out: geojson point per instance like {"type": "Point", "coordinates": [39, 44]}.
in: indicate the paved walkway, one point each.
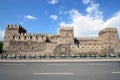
{"type": "Point", "coordinates": [70, 60]}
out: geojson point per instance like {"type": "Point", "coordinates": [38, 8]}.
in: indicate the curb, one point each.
{"type": "Point", "coordinates": [71, 60]}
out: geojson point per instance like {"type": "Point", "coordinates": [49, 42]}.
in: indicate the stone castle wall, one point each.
{"type": "Point", "coordinates": [18, 41]}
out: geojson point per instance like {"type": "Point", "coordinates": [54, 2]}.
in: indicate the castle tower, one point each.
{"type": "Point", "coordinates": [68, 33]}
{"type": "Point", "coordinates": [109, 38]}
{"type": "Point", "coordinates": [11, 30]}
{"type": "Point", "coordinates": [108, 34]}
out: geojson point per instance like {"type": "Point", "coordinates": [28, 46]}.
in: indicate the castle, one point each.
{"type": "Point", "coordinates": [18, 41]}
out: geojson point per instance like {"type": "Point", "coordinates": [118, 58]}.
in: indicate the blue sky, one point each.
{"type": "Point", "coordinates": [46, 16]}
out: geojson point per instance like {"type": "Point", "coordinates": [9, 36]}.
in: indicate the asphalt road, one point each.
{"type": "Point", "coordinates": [60, 71]}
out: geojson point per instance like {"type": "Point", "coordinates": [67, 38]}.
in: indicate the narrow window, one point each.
{"type": "Point", "coordinates": [42, 37]}
{"type": "Point", "coordinates": [36, 37]}
{"type": "Point", "coordinates": [25, 37]}
{"type": "Point", "coordinates": [20, 48]}
{"type": "Point", "coordinates": [19, 37]}
{"type": "Point", "coordinates": [13, 37]}
{"type": "Point", "coordinates": [30, 37]}
{"type": "Point", "coordinates": [32, 47]}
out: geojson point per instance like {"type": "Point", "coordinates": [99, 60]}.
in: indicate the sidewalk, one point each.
{"type": "Point", "coordinates": [70, 60]}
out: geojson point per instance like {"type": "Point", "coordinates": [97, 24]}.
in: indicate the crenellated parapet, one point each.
{"type": "Point", "coordinates": [16, 27]}
{"type": "Point", "coordinates": [37, 34]}
{"type": "Point", "coordinates": [108, 30]}
{"type": "Point", "coordinates": [108, 34]}
{"type": "Point", "coordinates": [66, 32]}
{"type": "Point", "coordinates": [13, 26]}
{"type": "Point", "coordinates": [29, 36]}
{"type": "Point", "coordinates": [87, 38]}
{"type": "Point", "coordinates": [18, 41]}
{"type": "Point", "coordinates": [66, 28]}
{"type": "Point", "coordinates": [33, 36]}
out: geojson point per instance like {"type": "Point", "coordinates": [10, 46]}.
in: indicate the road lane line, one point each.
{"type": "Point", "coordinates": [56, 64]}
{"type": "Point", "coordinates": [115, 72]}
{"type": "Point", "coordinates": [53, 73]}
{"type": "Point", "coordinates": [15, 64]}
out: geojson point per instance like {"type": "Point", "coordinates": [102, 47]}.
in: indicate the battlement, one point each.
{"type": "Point", "coordinates": [13, 26]}
{"type": "Point", "coordinates": [38, 34]}
{"type": "Point", "coordinates": [108, 30]}
{"type": "Point", "coordinates": [33, 36]}
{"type": "Point", "coordinates": [87, 38]}
{"type": "Point", "coordinates": [66, 28]}
{"type": "Point", "coordinates": [18, 41]}
{"type": "Point", "coordinates": [52, 35]}
{"type": "Point", "coordinates": [16, 27]}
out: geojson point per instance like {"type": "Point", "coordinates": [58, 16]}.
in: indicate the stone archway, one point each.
{"type": "Point", "coordinates": [62, 49]}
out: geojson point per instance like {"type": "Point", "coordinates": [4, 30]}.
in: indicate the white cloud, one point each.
{"type": "Point", "coordinates": [54, 17]}
{"type": "Point", "coordinates": [86, 1]}
{"type": "Point", "coordinates": [53, 1]}
{"type": "Point", "coordinates": [29, 17]}
{"type": "Point", "coordinates": [93, 11]}
{"type": "Point", "coordinates": [83, 25]}
{"type": "Point", "coordinates": [113, 21]}
{"type": "Point", "coordinates": [2, 35]}
{"type": "Point", "coordinates": [91, 23]}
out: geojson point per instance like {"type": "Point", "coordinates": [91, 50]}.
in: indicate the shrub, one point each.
{"type": "Point", "coordinates": [1, 46]}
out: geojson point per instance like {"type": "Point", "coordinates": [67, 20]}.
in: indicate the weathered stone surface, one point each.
{"type": "Point", "coordinates": [62, 49]}
{"type": "Point", "coordinates": [18, 41]}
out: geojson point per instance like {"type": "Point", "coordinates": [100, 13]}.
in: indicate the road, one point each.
{"type": "Point", "coordinates": [60, 71]}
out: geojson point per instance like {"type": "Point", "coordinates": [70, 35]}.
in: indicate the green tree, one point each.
{"type": "Point", "coordinates": [1, 46]}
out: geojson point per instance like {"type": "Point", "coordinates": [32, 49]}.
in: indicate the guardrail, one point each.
{"type": "Point", "coordinates": [38, 57]}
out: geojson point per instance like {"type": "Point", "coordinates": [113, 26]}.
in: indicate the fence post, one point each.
{"type": "Point", "coordinates": [100, 56]}
{"type": "Point", "coordinates": [20, 56]}
{"type": "Point", "coordinates": [15, 56]}
{"type": "Point", "coordinates": [109, 55]}
{"type": "Point", "coordinates": [35, 56]}
{"type": "Point", "coordinates": [50, 56]}
{"type": "Point", "coordinates": [1, 56]}
{"type": "Point", "coordinates": [55, 56]}
{"type": "Point", "coordinates": [30, 56]}
{"type": "Point", "coordinates": [45, 56]}
{"type": "Point", "coordinates": [90, 55]}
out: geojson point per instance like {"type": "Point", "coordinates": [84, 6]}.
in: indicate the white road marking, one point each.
{"type": "Point", "coordinates": [115, 72]}
{"type": "Point", "coordinates": [56, 64]}
{"type": "Point", "coordinates": [14, 64]}
{"type": "Point", "coordinates": [53, 73]}
{"type": "Point", "coordinates": [98, 64]}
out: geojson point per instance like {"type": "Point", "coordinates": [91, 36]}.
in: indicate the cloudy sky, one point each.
{"type": "Point", "coordinates": [46, 16]}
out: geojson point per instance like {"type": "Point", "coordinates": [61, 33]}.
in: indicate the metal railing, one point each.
{"type": "Point", "coordinates": [75, 56]}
